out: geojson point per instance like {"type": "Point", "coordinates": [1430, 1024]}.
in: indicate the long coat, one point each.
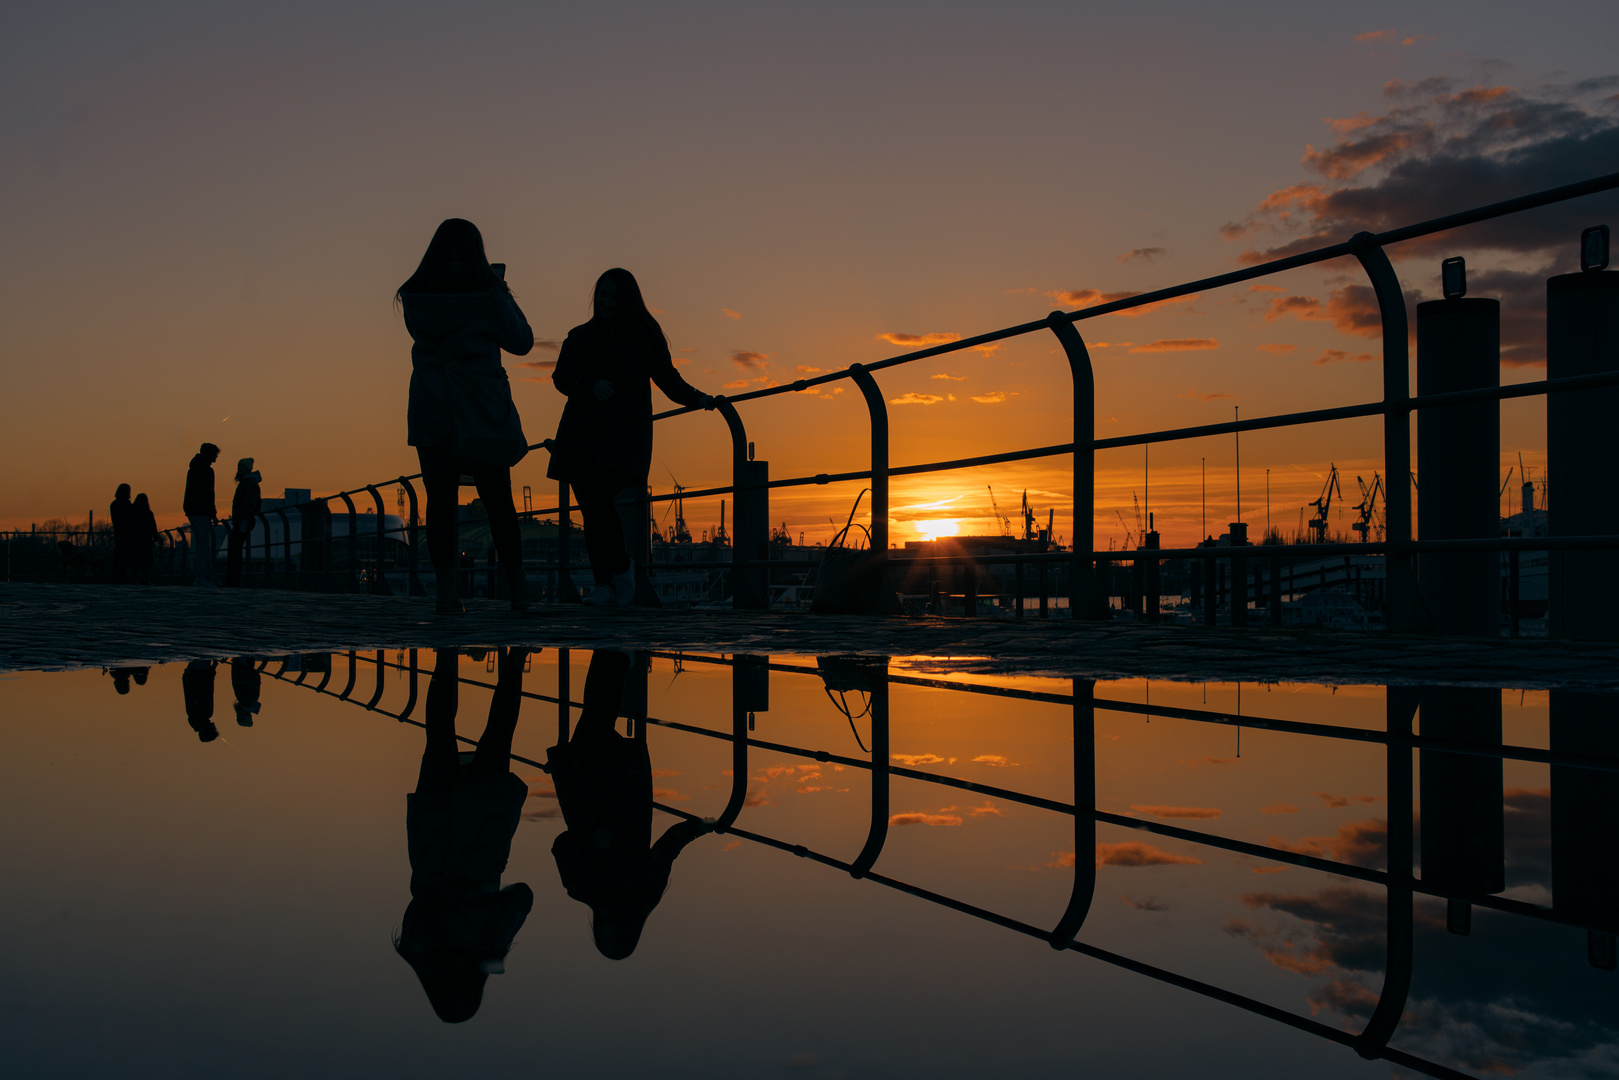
{"type": "Point", "coordinates": [468, 329]}
{"type": "Point", "coordinates": [611, 441]}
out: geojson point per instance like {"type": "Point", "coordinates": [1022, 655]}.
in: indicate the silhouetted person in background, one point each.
{"type": "Point", "coordinates": [200, 511]}
{"type": "Point", "coordinates": [460, 314]}
{"type": "Point", "coordinates": [197, 682]}
{"type": "Point", "coordinates": [606, 858]}
{"type": "Point", "coordinates": [244, 506]}
{"type": "Point", "coordinates": [122, 675]}
{"type": "Point", "coordinates": [119, 514]}
{"type": "Point", "coordinates": [244, 683]}
{"type": "Point", "coordinates": [604, 440]}
{"type": "Point", "coordinates": [459, 824]}
{"type": "Point", "coordinates": [142, 537]}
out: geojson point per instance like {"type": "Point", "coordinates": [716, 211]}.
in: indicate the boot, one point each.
{"type": "Point", "coordinates": [624, 586]}
{"type": "Point", "coordinates": [448, 603]}
{"type": "Point", "coordinates": [518, 585]}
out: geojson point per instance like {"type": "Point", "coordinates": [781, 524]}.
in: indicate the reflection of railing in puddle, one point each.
{"type": "Point", "coordinates": [1461, 772]}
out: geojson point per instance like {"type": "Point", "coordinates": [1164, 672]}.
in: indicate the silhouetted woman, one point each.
{"type": "Point", "coordinates": [459, 824]}
{"type": "Point", "coordinates": [119, 513]}
{"type": "Point", "coordinates": [606, 858]}
{"type": "Point", "coordinates": [460, 315]}
{"type": "Point", "coordinates": [244, 508]}
{"type": "Point", "coordinates": [604, 441]}
{"type": "Point", "coordinates": [143, 535]}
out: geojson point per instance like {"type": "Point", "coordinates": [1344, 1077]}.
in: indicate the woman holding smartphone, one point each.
{"type": "Point", "coordinates": [461, 315]}
{"type": "Point", "coordinates": [604, 441]}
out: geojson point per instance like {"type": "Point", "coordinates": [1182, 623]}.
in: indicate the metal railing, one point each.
{"type": "Point", "coordinates": [1398, 879]}
{"type": "Point", "coordinates": [750, 562]}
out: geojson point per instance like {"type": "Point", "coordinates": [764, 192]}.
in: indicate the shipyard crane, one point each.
{"type": "Point", "coordinates": [1141, 523]}
{"type": "Point", "coordinates": [1126, 524]}
{"type": "Point", "coordinates": [1318, 523]}
{"type": "Point", "coordinates": [1000, 518]}
{"type": "Point", "coordinates": [681, 534]}
{"type": "Point", "coordinates": [1368, 507]}
{"type": "Point", "coordinates": [1029, 520]}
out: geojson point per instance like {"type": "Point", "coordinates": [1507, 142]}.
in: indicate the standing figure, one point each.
{"type": "Point", "coordinates": [143, 535]}
{"type": "Point", "coordinates": [606, 858]}
{"type": "Point", "coordinates": [459, 824]}
{"type": "Point", "coordinates": [244, 683]}
{"type": "Point", "coordinates": [460, 314]}
{"type": "Point", "coordinates": [122, 532]}
{"type": "Point", "coordinates": [604, 440]}
{"type": "Point", "coordinates": [201, 512]}
{"type": "Point", "coordinates": [197, 683]}
{"type": "Point", "coordinates": [244, 507]}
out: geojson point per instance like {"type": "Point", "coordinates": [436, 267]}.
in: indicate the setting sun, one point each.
{"type": "Point", "coordinates": [932, 530]}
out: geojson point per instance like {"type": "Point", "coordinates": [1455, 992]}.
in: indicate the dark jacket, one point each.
{"type": "Point", "coordinates": [199, 500]}
{"type": "Point", "coordinates": [244, 505]}
{"type": "Point", "coordinates": [469, 329]}
{"type": "Point", "coordinates": [612, 440]}
{"type": "Point", "coordinates": [142, 535]}
{"type": "Point", "coordinates": [122, 514]}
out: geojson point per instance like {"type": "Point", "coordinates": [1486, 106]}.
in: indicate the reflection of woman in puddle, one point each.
{"type": "Point", "coordinates": [459, 822]}
{"type": "Point", "coordinates": [604, 785]}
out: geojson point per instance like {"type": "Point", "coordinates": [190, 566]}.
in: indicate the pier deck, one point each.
{"type": "Point", "coordinates": [52, 627]}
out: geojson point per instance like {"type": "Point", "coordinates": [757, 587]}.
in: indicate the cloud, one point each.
{"type": "Point", "coordinates": [1083, 298]}
{"type": "Point", "coordinates": [538, 365]}
{"type": "Point", "coordinates": [989, 809]}
{"type": "Point", "coordinates": [1304, 307]}
{"type": "Point", "coordinates": [1336, 801]}
{"type": "Point", "coordinates": [918, 341]}
{"type": "Point", "coordinates": [1193, 394]}
{"type": "Point", "coordinates": [1144, 905]}
{"type": "Point", "coordinates": [750, 361]}
{"type": "Point", "coordinates": [1277, 349]}
{"type": "Point", "coordinates": [931, 820]}
{"type": "Point", "coordinates": [1442, 147]}
{"type": "Point", "coordinates": [916, 759]}
{"type": "Point", "coordinates": [547, 346]}
{"type": "Point", "coordinates": [1364, 843]}
{"type": "Point", "coordinates": [729, 314]}
{"type": "Point", "coordinates": [737, 384]}
{"type": "Point", "coordinates": [916, 399]}
{"type": "Point", "coordinates": [952, 378]}
{"type": "Point", "coordinates": [1147, 254]}
{"type": "Point", "coordinates": [995, 760]}
{"type": "Point", "coordinates": [994, 397]}
{"type": "Point", "coordinates": [1376, 35]}
{"type": "Point", "coordinates": [805, 369]}
{"type": "Point", "coordinates": [1338, 356]}
{"type": "Point", "coordinates": [1191, 344]}
{"type": "Point", "coordinates": [1280, 808]}
{"type": "Point", "coordinates": [1135, 854]}
{"type": "Point", "coordinates": [1265, 288]}
{"type": "Point", "coordinates": [1177, 811]}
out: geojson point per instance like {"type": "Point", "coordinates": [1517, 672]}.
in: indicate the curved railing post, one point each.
{"type": "Point", "coordinates": [749, 675]}
{"type": "Point", "coordinates": [354, 538]}
{"type": "Point", "coordinates": [380, 582]}
{"type": "Point", "coordinates": [264, 520]}
{"type": "Point", "coordinates": [750, 518]}
{"type": "Point", "coordinates": [414, 587]}
{"type": "Point", "coordinates": [879, 456]}
{"type": "Point", "coordinates": [1079, 901]}
{"type": "Point", "coordinates": [1084, 602]}
{"type": "Point", "coordinates": [348, 687]}
{"type": "Point", "coordinates": [376, 695]}
{"type": "Point", "coordinates": [1401, 580]}
{"type": "Point", "coordinates": [878, 834]}
{"type": "Point", "coordinates": [1391, 1001]}
{"type": "Point", "coordinates": [410, 701]}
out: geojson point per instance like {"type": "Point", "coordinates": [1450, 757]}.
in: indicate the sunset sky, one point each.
{"type": "Point", "coordinates": [207, 209]}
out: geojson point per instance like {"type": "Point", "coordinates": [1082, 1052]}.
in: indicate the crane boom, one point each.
{"type": "Point", "coordinates": [1000, 518]}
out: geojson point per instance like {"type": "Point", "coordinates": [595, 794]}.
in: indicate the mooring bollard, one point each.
{"type": "Point", "coordinates": [1582, 455]}
{"type": "Point", "coordinates": [1151, 578]}
{"type": "Point", "coordinates": [1463, 818]}
{"type": "Point", "coordinates": [1458, 453]}
{"type": "Point", "coordinates": [1585, 820]}
{"type": "Point", "coordinates": [1239, 575]}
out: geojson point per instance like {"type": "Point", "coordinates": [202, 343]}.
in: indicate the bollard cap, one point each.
{"type": "Point", "coordinates": [1453, 278]}
{"type": "Point", "coordinates": [1594, 249]}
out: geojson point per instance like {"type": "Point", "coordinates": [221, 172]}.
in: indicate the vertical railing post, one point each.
{"type": "Point", "coordinates": [379, 580]}
{"type": "Point", "coordinates": [877, 676]}
{"type": "Point", "coordinates": [1079, 900]}
{"type": "Point", "coordinates": [564, 691]}
{"type": "Point", "coordinates": [412, 535]}
{"type": "Point", "coordinates": [1083, 600]}
{"type": "Point", "coordinates": [1401, 574]}
{"type": "Point", "coordinates": [354, 538]}
{"type": "Point", "coordinates": [1401, 928]}
{"type": "Point", "coordinates": [879, 455]}
{"type": "Point", "coordinates": [567, 592]}
{"type": "Point", "coordinates": [750, 694]}
{"type": "Point", "coordinates": [286, 542]}
{"type": "Point", "coordinates": [348, 687]}
{"type": "Point", "coordinates": [750, 532]}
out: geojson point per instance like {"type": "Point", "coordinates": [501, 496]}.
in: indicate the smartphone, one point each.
{"type": "Point", "coordinates": [499, 269]}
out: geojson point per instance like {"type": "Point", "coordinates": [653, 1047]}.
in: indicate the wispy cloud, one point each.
{"type": "Point", "coordinates": [1147, 904]}
{"type": "Point", "coordinates": [1198, 812]}
{"type": "Point", "coordinates": [918, 341]}
{"type": "Point", "coordinates": [916, 399]}
{"type": "Point", "coordinates": [994, 397]}
{"type": "Point", "coordinates": [1196, 395]}
{"type": "Point", "coordinates": [1135, 854]}
{"type": "Point", "coordinates": [916, 759]}
{"type": "Point", "coordinates": [729, 314]}
{"type": "Point", "coordinates": [952, 378]}
{"type": "Point", "coordinates": [1146, 254]}
{"type": "Point", "coordinates": [1185, 344]}
{"type": "Point", "coordinates": [1277, 348]}
{"type": "Point", "coordinates": [943, 817]}
{"type": "Point", "coordinates": [1338, 356]}
{"type": "Point", "coordinates": [749, 360]}
{"type": "Point", "coordinates": [1083, 298]}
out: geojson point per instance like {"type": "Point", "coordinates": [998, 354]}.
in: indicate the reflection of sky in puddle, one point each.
{"type": "Point", "coordinates": [179, 907]}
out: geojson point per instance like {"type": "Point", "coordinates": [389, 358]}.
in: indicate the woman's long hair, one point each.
{"type": "Point", "coordinates": [454, 263]}
{"type": "Point", "coordinates": [632, 309]}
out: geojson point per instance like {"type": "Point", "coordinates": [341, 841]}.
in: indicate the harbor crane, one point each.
{"type": "Point", "coordinates": [1126, 525]}
{"type": "Point", "coordinates": [1000, 518]}
{"type": "Point", "coordinates": [1318, 523]}
{"type": "Point", "coordinates": [680, 534]}
{"type": "Point", "coordinates": [1368, 507]}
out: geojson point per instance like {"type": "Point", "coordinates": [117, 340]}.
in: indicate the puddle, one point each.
{"type": "Point", "coordinates": [825, 867]}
